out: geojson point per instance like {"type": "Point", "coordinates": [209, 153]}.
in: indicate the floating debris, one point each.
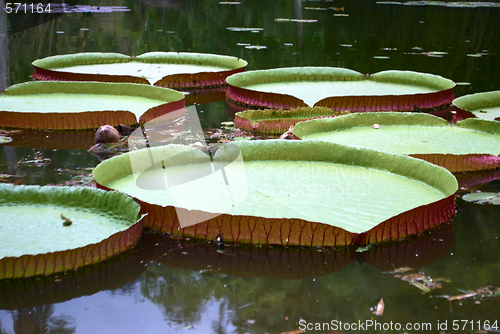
{"type": "Point", "coordinates": [379, 309]}
{"type": "Point", "coordinates": [483, 198]}
{"type": "Point", "coordinates": [294, 20]}
{"type": "Point", "coordinates": [256, 47]}
{"type": "Point", "coordinates": [457, 4]}
{"type": "Point", "coordinates": [64, 8]}
{"type": "Point", "coordinates": [337, 9]}
{"type": "Point", "coordinates": [229, 3]}
{"type": "Point", "coordinates": [437, 54]}
{"type": "Point", "coordinates": [381, 57]}
{"type": "Point", "coordinates": [340, 14]}
{"type": "Point", "coordinates": [67, 221]}
{"type": "Point", "coordinates": [243, 44]}
{"type": "Point", "coordinates": [420, 280]}
{"type": "Point", "coordinates": [243, 29]}
{"type": "Point", "coordinates": [475, 55]}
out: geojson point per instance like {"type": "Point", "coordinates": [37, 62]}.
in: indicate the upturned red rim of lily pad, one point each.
{"type": "Point", "coordinates": [274, 121]}
{"type": "Point", "coordinates": [272, 89]}
{"type": "Point", "coordinates": [288, 228]}
{"type": "Point", "coordinates": [52, 105]}
{"type": "Point", "coordinates": [67, 215]}
{"type": "Point", "coordinates": [481, 105]}
{"type": "Point", "coordinates": [468, 145]}
{"type": "Point", "coordinates": [206, 70]}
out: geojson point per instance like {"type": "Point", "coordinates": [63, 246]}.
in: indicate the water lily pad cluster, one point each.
{"type": "Point", "coordinates": [320, 191]}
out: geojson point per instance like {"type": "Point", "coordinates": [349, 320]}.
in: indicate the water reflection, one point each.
{"type": "Point", "coordinates": [294, 263]}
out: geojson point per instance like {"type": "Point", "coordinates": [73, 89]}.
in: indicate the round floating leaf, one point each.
{"type": "Point", "coordinates": [340, 89]}
{"type": "Point", "coordinates": [178, 70]}
{"type": "Point", "coordinates": [483, 198]}
{"type": "Point", "coordinates": [45, 230]}
{"type": "Point", "coordinates": [284, 192]}
{"type": "Point", "coordinates": [480, 105]}
{"type": "Point", "coordinates": [83, 105]}
{"type": "Point", "coordinates": [278, 121]}
{"type": "Point", "coordinates": [470, 145]}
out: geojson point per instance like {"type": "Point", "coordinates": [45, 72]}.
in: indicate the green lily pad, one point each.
{"type": "Point", "coordinates": [83, 105]}
{"type": "Point", "coordinates": [45, 230]}
{"type": "Point", "coordinates": [483, 198]}
{"type": "Point", "coordinates": [340, 89]}
{"type": "Point", "coordinates": [278, 121]}
{"type": "Point", "coordinates": [178, 70]}
{"type": "Point", "coordinates": [480, 105]}
{"type": "Point", "coordinates": [470, 145]}
{"type": "Point", "coordinates": [284, 192]}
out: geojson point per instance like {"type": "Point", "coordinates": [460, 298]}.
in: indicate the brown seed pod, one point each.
{"type": "Point", "coordinates": [107, 134]}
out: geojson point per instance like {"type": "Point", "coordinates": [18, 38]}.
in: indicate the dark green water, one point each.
{"type": "Point", "coordinates": [166, 285]}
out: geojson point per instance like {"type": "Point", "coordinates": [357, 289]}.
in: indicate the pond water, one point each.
{"type": "Point", "coordinates": [167, 285]}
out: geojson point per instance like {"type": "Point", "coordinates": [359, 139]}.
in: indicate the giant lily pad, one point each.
{"type": "Point", "coordinates": [340, 89]}
{"type": "Point", "coordinates": [480, 105]}
{"type": "Point", "coordinates": [309, 193]}
{"type": "Point", "coordinates": [278, 121]}
{"type": "Point", "coordinates": [178, 70]}
{"type": "Point", "coordinates": [83, 105]}
{"type": "Point", "coordinates": [45, 230]}
{"type": "Point", "coordinates": [469, 145]}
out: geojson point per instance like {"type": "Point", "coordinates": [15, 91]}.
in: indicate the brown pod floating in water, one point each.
{"type": "Point", "coordinates": [107, 134]}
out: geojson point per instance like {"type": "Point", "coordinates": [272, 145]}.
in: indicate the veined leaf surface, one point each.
{"type": "Point", "coordinates": [310, 183]}
{"type": "Point", "coordinates": [420, 135]}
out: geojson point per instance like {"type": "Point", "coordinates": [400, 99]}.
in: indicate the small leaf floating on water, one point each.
{"type": "Point", "coordinates": [402, 270]}
{"type": "Point", "coordinates": [380, 308]}
{"type": "Point", "coordinates": [483, 198]}
{"type": "Point", "coordinates": [465, 295]}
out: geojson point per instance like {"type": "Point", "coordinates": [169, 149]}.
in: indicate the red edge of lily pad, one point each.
{"type": "Point", "coordinates": [462, 163]}
{"type": "Point", "coordinates": [51, 75]}
{"type": "Point", "coordinates": [428, 102]}
{"type": "Point", "coordinates": [54, 262]}
{"type": "Point", "coordinates": [197, 80]}
{"type": "Point", "coordinates": [200, 80]}
{"type": "Point", "coordinates": [82, 120]}
{"type": "Point", "coordinates": [280, 123]}
{"type": "Point", "coordinates": [297, 232]}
